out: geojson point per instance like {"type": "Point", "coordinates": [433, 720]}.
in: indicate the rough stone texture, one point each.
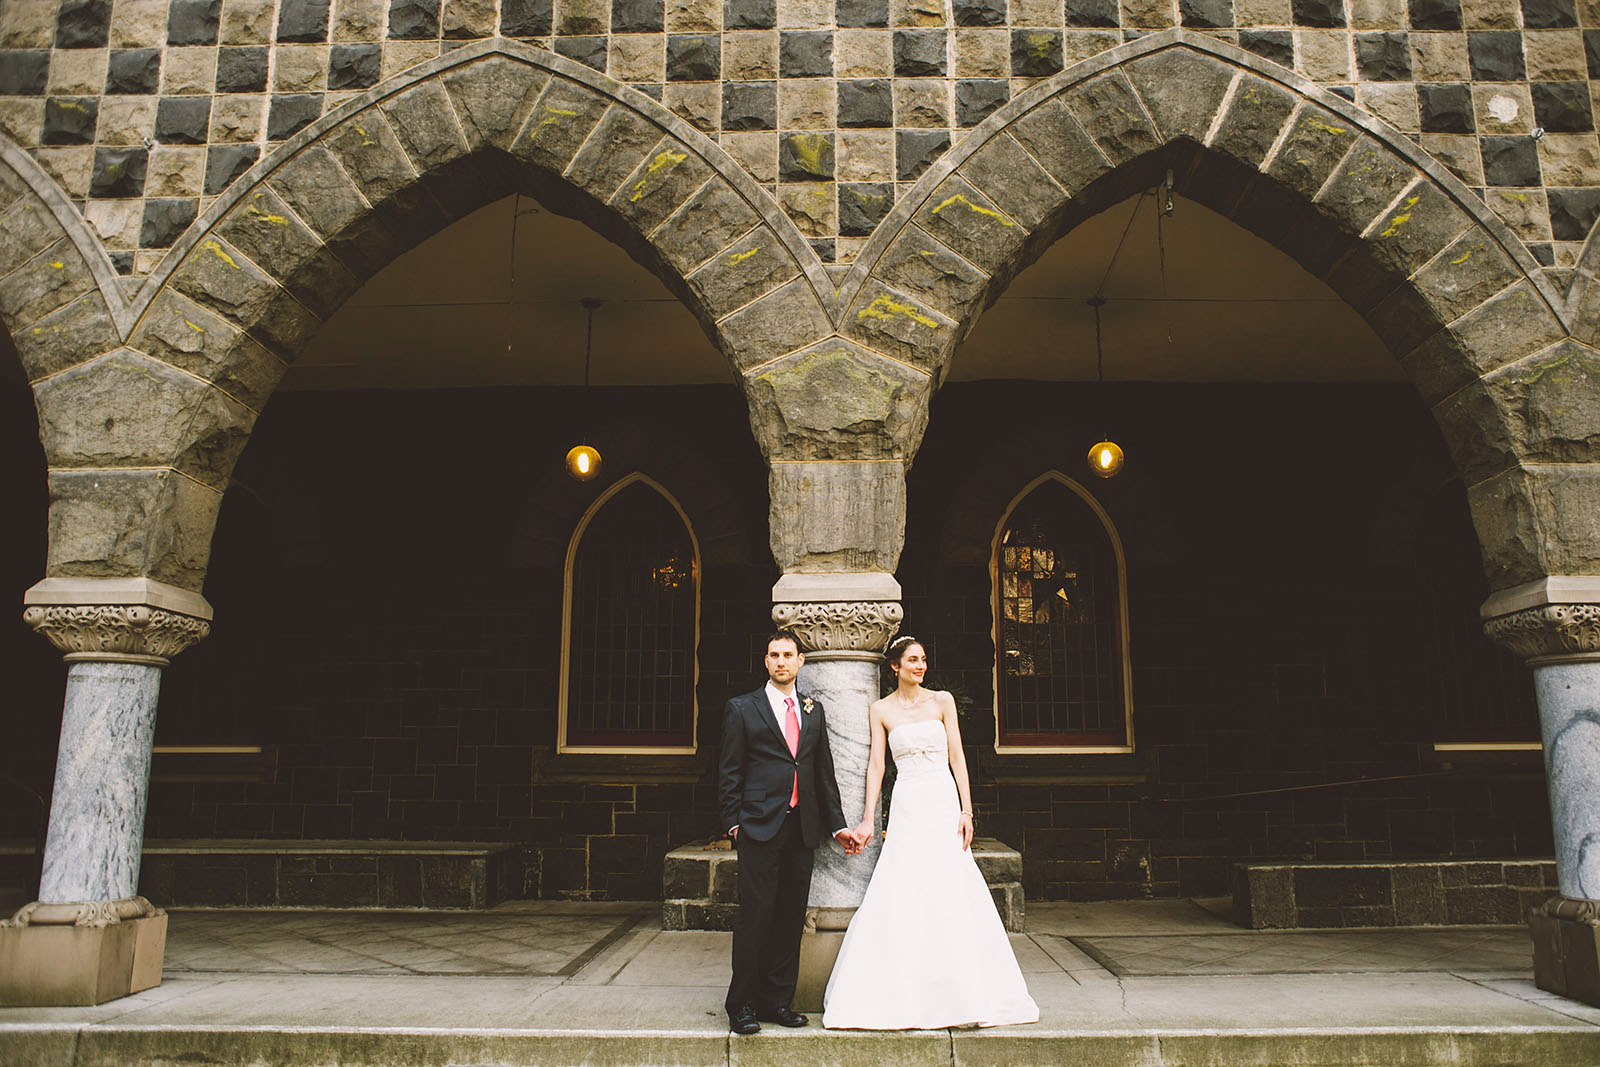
{"type": "Point", "coordinates": [492, 97]}
{"type": "Point", "coordinates": [1367, 181]}
{"type": "Point", "coordinates": [1181, 90]}
{"type": "Point", "coordinates": [182, 333]}
{"type": "Point", "coordinates": [831, 516]}
{"type": "Point", "coordinates": [922, 267]}
{"type": "Point", "coordinates": [130, 522]}
{"type": "Point", "coordinates": [1005, 173]}
{"type": "Point", "coordinates": [899, 325]}
{"type": "Point", "coordinates": [709, 222]}
{"type": "Point", "coordinates": [837, 401]}
{"type": "Point", "coordinates": [743, 273]}
{"type": "Point", "coordinates": [780, 322]}
{"type": "Point", "coordinates": [961, 217]}
{"type": "Point", "coordinates": [1110, 112]}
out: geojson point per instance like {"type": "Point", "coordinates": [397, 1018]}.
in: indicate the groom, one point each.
{"type": "Point", "coordinates": [777, 793]}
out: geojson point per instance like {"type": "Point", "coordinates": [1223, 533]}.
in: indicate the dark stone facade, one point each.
{"type": "Point", "coordinates": [1292, 718]}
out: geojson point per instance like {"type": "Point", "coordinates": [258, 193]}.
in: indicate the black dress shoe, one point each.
{"type": "Point", "coordinates": [743, 1021]}
{"type": "Point", "coordinates": [783, 1017]}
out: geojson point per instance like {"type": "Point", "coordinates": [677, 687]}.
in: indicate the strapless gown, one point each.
{"type": "Point", "coordinates": [926, 949]}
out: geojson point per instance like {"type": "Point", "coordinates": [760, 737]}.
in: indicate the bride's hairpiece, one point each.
{"type": "Point", "coordinates": [897, 644]}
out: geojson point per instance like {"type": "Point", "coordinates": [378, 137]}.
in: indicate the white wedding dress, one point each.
{"type": "Point", "coordinates": [926, 949]}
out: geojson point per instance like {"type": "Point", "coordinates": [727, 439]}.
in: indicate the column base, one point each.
{"type": "Point", "coordinates": [819, 947]}
{"type": "Point", "coordinates": [62, 964]}
{"type": "Point", "coordinates": [1566, 948]}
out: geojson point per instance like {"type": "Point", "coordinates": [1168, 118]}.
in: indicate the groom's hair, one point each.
{"type": "Point", "coordinates": [783, 635]}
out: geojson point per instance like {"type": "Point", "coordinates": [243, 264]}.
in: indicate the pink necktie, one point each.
{"type": "Point", "coordinates": [791, 734]}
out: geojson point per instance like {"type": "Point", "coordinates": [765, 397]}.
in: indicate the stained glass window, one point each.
{"type": "Point", "coordinates": [635, 593]}
{"type": "Point", "coordinates": [1061, 638]}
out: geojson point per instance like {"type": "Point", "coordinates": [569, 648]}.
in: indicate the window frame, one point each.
{"type": "Point", "coordinates": [1123, 636]}
{"type": "Point", "coordinates": [567, 592]}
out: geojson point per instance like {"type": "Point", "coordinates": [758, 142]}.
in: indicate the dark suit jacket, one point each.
{"type": "Point", "coordinates": [756, 773]}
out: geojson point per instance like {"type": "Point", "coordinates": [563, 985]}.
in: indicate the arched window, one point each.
{"type": "Point", "coordinates": [632, 607]}
{"type": "Point", "coordinates": [1062, 678]}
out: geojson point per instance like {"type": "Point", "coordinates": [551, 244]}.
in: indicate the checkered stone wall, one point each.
{"type": "Point", "coordinates": [146, 110]}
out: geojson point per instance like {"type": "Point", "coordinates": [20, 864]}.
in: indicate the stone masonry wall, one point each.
{"type": "Point", "coordinates": [146, 110]}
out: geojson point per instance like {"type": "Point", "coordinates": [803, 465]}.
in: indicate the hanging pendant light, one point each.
{"type": "Point", "coordinates": [583, 460]}
{"type": "Point", "coordinates": [1106, 457]}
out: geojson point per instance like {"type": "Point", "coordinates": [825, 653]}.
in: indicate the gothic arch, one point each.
{"type": "Point", "coordinates": [196, 353]}
{"type": "Point", "coordinates": [1455, 296]}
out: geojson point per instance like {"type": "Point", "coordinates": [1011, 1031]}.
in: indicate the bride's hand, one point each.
{"type": "Point", "coordinates": [964, 828]}
{"type": "Point", "coordinates": [864, 833]}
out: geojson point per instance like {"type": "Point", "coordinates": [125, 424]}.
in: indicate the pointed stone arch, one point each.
{"type": "Point", "coordinates": [1450, 290]}
{"type": "Point", "coordinates": [144, 432]}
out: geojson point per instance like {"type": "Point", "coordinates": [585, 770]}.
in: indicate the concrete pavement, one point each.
{"type": "Point", "coordinates": [1149, 983]}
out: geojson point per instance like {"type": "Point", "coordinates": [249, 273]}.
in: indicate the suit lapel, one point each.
{"type": "Point", "coordinates": [759, 705]}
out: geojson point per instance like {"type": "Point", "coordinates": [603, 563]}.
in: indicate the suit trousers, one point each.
{"type": "Point", "coordinates": [774, 882]}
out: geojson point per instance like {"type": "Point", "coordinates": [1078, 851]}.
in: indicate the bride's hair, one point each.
{"type": "Point", "coordinates": [897, 649]}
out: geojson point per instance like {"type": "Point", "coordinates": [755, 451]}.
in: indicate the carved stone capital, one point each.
{"type": "Point", "coordinates": [1550, 632]}
{"type": "Point", "coordinates": [864, 627]}
{"type": "Point", "coordinates": [136, 633]}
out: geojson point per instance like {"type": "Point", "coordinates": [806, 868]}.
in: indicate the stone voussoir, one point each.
{"type": "Point", "coordinates": [1110, 111]}
{"type": "Point", "coordinates": [48, 282]}
{"type": "Point", "coordinates": [743, 272]}
{"type": "Point", "coordinates": [426, 124]}
{"type": "Point", "coordinates": [222, 278]}
{"type": "Point", "coordinates": [492, 97]}
{"type": "Point", "coordinates": [1317, 140]}
{"type": "Point", "coordinates": [1366, 182]}
{"type": "Point", "coordinates": [1422, 224]}
{"type": "Point", "coordinates": [1182, 90]}
{"type": "Point", "coordinates": [74, 334]}
{"type": "Point", "coordinates": [919, 264]}
{"type": "Point", "coordinates": [711, 220]}
{"type": "Point", "coordinates": [618, 145]}
{"type": "Point", "coordinates": [558, 124]}
{"type": "Point", "coordinates": [961, 217]}
{"type": "Point", "coordinates": [1005, 173]}
{"type": "Point", "coordinates": [129, 523]}
{"type": "Point", "coordinates": [662, 182]}
{"type": "Point", "coordinates": [29, 227]}
{"type": "Point", "coordinates": [785, 320]}
{"type": "Point", "coordinates": [267, 230]}
{"type": "Point", "coordinates": [1464, 275]}
{"type": "Point", "coordinates": [1051, 135]}
{"type": "Point", "coordinates": [178, 331]}
{"type": "Point", "coordinates": [899, 325]}
{"type": "Point", "coordinates": [1253, 120]}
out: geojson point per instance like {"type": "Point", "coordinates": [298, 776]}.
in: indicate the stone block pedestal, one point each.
{"type": "Point", "coordinates": [700, 888]}
{"type": "Point", "coordinates": [1566, 949]}
{"type": "Point", "coordinates": [69, 966]}
{"type": "Point", "coordinates": [819, 948]}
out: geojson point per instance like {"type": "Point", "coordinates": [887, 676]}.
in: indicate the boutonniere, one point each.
{"type": "Point", "coordinates": [805, 704]}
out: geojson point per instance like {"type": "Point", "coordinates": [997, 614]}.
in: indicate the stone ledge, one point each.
{"type": "Point", "coordinates": [326, 874]}
{"type": "Point", "coordinates": [1422, 893]}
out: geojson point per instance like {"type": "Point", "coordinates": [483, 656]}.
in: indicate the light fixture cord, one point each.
{"type": "Point", "coordinates": [588, 339]}
{"type": "Point", "coordinates": [511, 270]}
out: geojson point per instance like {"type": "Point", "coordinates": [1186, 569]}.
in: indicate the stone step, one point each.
{"type": "Point", "coordinates": [112, 1046]}
{"type": "Point", "coordinates": [700, 884]}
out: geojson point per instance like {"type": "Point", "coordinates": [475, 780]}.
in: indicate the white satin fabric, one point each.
{"type": "Point", "coordinates": [926, 949]}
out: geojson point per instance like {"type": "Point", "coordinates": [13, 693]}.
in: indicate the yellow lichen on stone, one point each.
{"type": "Point", "coordinates": [192, 326]}
{"type": "Point", "coordinates": [808, 149]}
{"type": "Point", "coordinates": [665, 158]}
{"type": "Point", "coordinates": [262, 215]}
{"type": "Point", "coordinates": [739, 257]}
{"type": "Point", "coordinates": [1400, 218]}
{"type": "Point", "coordinates": [212, 246]}
{"type": "Point", "coordinates": [58, 264]}
{"type": "Point", "coordinates": [977, 209]}
{"type": "Point", "coordinates": [551, 115]}
{"type": "Point", "coordinates": [1462, 258]}
{"type": "Point", "coordinates": [884, 309]}
{"type": "Point", "coordinates": [366, 138]}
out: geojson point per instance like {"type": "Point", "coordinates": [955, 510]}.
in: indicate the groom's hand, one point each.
{"type": "Point", "coordinates": [847, 841]}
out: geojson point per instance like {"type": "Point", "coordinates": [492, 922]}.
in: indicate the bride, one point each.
{"type": "Point", "coordinates": [926, 949]}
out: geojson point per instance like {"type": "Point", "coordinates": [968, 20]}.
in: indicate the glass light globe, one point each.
{"type": "Point", "coordinates": [583, 462]}
{"type": "Point", "coordinates": [1105, 458]}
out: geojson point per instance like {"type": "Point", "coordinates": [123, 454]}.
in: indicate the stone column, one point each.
{"type": "Point", "coordinates": [844, 622]}
{"type": "Point", "coordinates": [1559, 637]}
{"type": "Point", "coordinates": [117, 635]}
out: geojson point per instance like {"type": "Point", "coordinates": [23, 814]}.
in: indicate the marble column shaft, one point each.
{"type": "Point", "coordinates": [97, 808]}
{"type": "Point", "coordinates": [1569, 720]}
{"type": "Point", "coordinates": [1560, 639]}
{"type": "Point", "coordinates": [846, 687]}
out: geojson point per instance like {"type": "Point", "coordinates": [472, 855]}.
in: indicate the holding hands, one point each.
{"type": "Point", "coordinates": [853, 841]}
